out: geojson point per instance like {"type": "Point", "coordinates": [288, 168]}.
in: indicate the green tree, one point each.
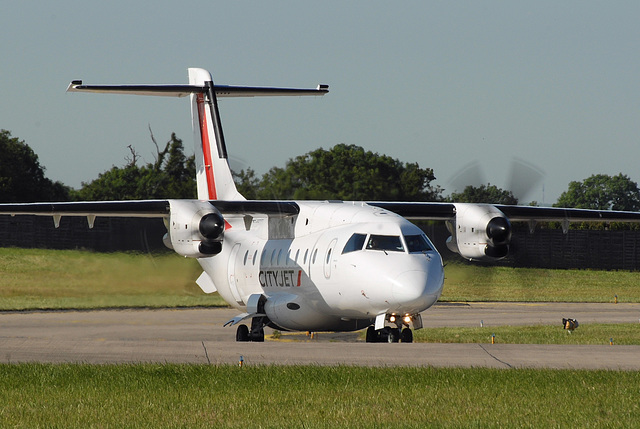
{"type": "Point", "coordinates": [247, 183]}
{"type": "Point", "coordinates": [172, 175]}
{"type": "Point", "coordinates": [179, 171]}
{"type": "Point", "coordinates": [602, 192]}
{"type": "Point", "coordinates": [348, 172]}
{"type": "Point", "coordinates": [489, 193]}
{"type": "Point", "coordinates": [22, 177]}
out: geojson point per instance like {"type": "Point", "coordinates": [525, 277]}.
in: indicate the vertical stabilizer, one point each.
{"type": "Point", "coordinates": [213, 174]}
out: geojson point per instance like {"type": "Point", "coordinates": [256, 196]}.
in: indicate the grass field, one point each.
{"type": "Point", "coordinates": [586, 334]}
{"type": "Point", "coordinates": [152, 396]}
{"type": "Point", "coordinates": [53, 279]}
{"type": "Point", "coordinates": [465, 282]}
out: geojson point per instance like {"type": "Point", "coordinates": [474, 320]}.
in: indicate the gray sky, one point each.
{"type": "Point", "coordinates": [444, 84]}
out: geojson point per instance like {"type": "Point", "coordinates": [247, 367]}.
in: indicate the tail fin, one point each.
{"type": "Point", "coordinates": [213, 174]}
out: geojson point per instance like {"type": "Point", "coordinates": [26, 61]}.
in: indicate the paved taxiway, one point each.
{"type": "Point", "coordinates": [197, 336]}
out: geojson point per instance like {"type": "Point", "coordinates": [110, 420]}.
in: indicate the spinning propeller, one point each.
{"type": "Point", "coordinates": [522, 179]}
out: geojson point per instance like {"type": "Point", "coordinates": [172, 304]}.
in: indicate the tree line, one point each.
{"type": "Point", "coordinates": [344, 172]}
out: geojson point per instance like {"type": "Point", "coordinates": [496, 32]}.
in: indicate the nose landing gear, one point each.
{"type": "Point", "coordinates": [396, 334]}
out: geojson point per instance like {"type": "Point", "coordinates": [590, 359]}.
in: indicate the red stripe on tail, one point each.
{"type": "Point", "coordinates": [206, 149]}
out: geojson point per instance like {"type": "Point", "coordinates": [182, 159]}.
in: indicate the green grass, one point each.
{"type": "Point", "coordinates": [152, 396]}
{"type": "Point", "coordinates": [48, 279]}
{"type": "Point", "coordinates": [586, 334]}
{"type": "Point", "coordinates": [483, 283]}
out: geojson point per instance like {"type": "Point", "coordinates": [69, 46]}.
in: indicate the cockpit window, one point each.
{"type": "Point", "coordinates": [417, 243]}
{"type": "Point", "coordinates": [385, 242]}
{"type": "Point", "coordinates": [355, 243]}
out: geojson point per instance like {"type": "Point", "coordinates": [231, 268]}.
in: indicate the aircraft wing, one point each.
{"type": "Point", "coordinates": [445, 211]}
{"type": "Point", "coordinates": [89, 209]}
{"type": "Point", "coordinates": [134, 208]}
{"type": "Point", "coordinates": [142, 208]}
{"type": "Point", "coordinates": [527, 213]}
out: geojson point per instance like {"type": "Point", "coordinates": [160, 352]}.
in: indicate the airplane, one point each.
{"type": "Point", "coordinates": [307, 265]}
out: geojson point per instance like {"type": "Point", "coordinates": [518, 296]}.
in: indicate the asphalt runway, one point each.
{"type": "Point", "coordinates": [197, 336]}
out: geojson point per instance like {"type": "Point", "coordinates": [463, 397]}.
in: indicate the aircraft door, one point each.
{"type": "Point", "coordinates": [231, 273]}
{"type": "Point", "coordinates": [328, 258]}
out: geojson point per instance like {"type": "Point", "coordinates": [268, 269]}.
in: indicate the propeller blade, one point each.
{"type": "Point", "coordinates": [523, 179]}
{"type": "Point", "coordinates": [469, 175]}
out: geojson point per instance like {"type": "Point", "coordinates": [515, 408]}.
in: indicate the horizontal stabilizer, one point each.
{"type": "Point", "coordinates": [185, 90]}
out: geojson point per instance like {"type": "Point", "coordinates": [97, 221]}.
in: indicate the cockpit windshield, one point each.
{"type": "Point", "coordinates": [355, 243]}
{"type": "Point", "coordinates": [417, 243]}
{"type": "Point", "coordinates": [385, 242]}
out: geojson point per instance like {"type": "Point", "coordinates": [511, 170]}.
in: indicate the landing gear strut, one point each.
{"type": "Point", "coordinates": [256, 334]}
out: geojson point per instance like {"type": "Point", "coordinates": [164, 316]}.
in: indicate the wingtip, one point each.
{"type": "Point", "coordinates": [73, 85]}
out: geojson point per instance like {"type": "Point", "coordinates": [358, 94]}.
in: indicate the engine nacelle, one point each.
{"type": "Point", "coordinates": [195, 229]}
{"type": "Point", "coordinates": [479, 232]}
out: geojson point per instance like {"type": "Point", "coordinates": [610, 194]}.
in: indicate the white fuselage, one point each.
{"type": "Point", "coordinates": [301, 265]}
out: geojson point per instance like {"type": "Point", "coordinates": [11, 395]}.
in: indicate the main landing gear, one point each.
{"type": "Point", "coordinates": [256, 334]}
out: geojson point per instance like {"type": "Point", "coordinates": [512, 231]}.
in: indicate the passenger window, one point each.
{"type": "Point", "coordinates": [328, 256]}
{"type": "Point", "coordinates": [264, 252]}
{"type": "Point", "coordinates": [306, 253]}
{"type": "Point", "coordinates": [279, 256]}
{"type": "Point", "coordinates": [255, 254]}
{"type": "Point", "coordinates": [355, 243]}
{"type": "Point", "coordinates": [417, 243]}
{"type": "Point", "coordinates": [246, 255]}
{"type": "Point", "coordinates": [297, 254]}
{"type": "Point", "coordinates": [273, 257]}
{"type": "Point", "coordinates": [315, 253]}
{"type": "Point", "coordinates": [385, 242]}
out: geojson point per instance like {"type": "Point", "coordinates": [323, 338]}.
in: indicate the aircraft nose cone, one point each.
{"type": "Point", "coordinates": [409, 286]}
{"type": "Point", "coordinates": [416, 289]}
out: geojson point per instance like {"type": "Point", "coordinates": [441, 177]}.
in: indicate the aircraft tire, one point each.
{"type": "Point", "coordinates": [258, 337]}
{"type": "Point", "coordinates": [242, 333]}
{"type": "Point", "coordinates": [407, 335]}
{"type": "Point", "coordinates": [372, 335]}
